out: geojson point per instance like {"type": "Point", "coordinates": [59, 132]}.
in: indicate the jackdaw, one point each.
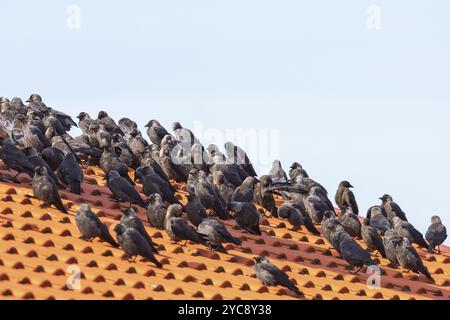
{"type": "Point", "coordinates": [122, 189]}
{"type": "Point", "coordinates": [156, 132]}
{"type": "Point", "coordinates": [84, 122]}
{"type": "Point", "coordinates": [264, 197]}
{"type": "Point", "coordinates": [110, 161]}
{"type": "Point", "coordinates": [156, 211]}
{"type": "Point", "coordinates": [238, 156]}
{"type": "Point", "coordinates": [390, 241]}
{"type": "Point", "coordinates": [436, 234]}
{"type": "Point", "coordinates": [352, 252]}
{"type": "Point", "coordinates": [178, 229]}
{"type": "Point", "coordinates": [209, 198]}
{"type": "Point", "coordinates": [53, 156]}
{"type": "Point", "coordinates": [45, 190]}
{"type": "Point", "coordinates": [410, 260]}
{"type": "Point", "coordinates": [277, 173]}
{"type": "Point", "coordinates": [372, 239]}
{"type": "Point", "coordinates": [195, 211]}
{"type": "Point", "coordinates": [130, 220]}
{"type": "Point", "coordinates": [216, 234]}
{"type": "Point", "coordinates": [133, 244]}
{"type": "Point", "coordinates": [246, 216]}
{"type": "Point", "coordinates": [14, 158]}
{"type": "Point", "coordinates": [244, 193]}
{"type": "Point", "coordinates": [70, 174]}
{"type": "Point", "coordinates": [377, 220]}
{"type": "Point", "coordinates": [108, 123]}
{"type": "Point", "coordinates": [407, 230]}
{"type": "Point", "coordinates": [152, 183]}
{"type": "Point", "coordinates": [345, 198]}
{"type": "Point", "coordinates": [391, 209]}
{"type": "Point", "coordinates": [91, 227]}
{"type": "Point", "coordinates": [351, 223]}
{"type": "Point", "coordinates": [270, 275]}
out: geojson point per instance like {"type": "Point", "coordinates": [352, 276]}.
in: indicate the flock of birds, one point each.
{"type": "Point", "coordinates": [35, 141]}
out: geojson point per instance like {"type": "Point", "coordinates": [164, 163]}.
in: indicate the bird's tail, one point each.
{"type": "Point", "coordinates": [236, 241]}
{"type": "Point", "coordinates": [430, 248]}
{"type": "Point", "coordinates": [382, 251]}
{"type": "Point", "coordinates": [59, 205]}
{"type": "Point", "coordinates": [296, 290]}
{"type": "Point", "coordinates": [220, 248]}
{"type": "Point", "coordinates": [311, 228]}
{"type": "Point", "coordinates": [76, 188]}
{"type": "Point", "coordinates": [255, 230]}
{"type": "Point", "coordinates": [423, 243]}
{"type": "Point", "coordinates": [422, 269]}
{"type": "Point", "coordinates": [109, 239]}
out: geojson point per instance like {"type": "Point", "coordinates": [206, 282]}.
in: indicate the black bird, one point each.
{"type": "Point", "coordinates": [372, 239]}
{"type": "Point", "coordinates": [133, 244]}
{"type": "Point", "coordinates": [196, 213]}
{"type": "Point", "coordinates": [130, 220]}
{"type": "Point", "coordinates": [265, 198]}
{"type": "Point", "coordinates": [178, 229]}
{"type": "Point", "coordinates": [410, 260]}
{"type": "Point", "coordinates": [294, 216]}
{"type": "Point", "coordinates": [84, 122]}
{"type": "Point", "coordinates": [44, 189]}
{"type": "Point", "coordinates": [329, 225]}
{"type": "Point", "coordinates": [407, 230]}
{"type": "Point", "coordinates": [247, 217]}
{"type": "Point", "coordinates": [270, 275]}
{"type": "Point", "coordinates": [33, 136]}
{"type": "Point", "coordinates": [315, 207]}
{"type": "Point", "coordinates": [224, 188]}
{"type": "Point", "coordinates": [238, 156]}
{"type": "Point", "coordinates": [108, 123]}
{"type": "Point", "coordinates": [156, 211]}
{"type": "Point", "coordinates": [37, 161]}
{"type": "Point", "coordinates": [137, 143]}
{"type": "Point", "coordinates": [91, 227]}
{"type": "Point", "coordinates": [391, 209]}
{"type": "Point", "coordinates": [71, 174]}
{"type": "Point", "coordinates": [352, 252]}
{"type": "Point", "coordinates": [209, 198]}
{"type": "Point", "coordinates": [244, 193]}
{"type": "Point", "coordinates": [377, 220]}
{"type": "Point", "coordinates": [15, 159]}
{"type": "Point", "coordinates": [110, 161]}
{"type": "Point", "coordinates": [127, 125]}
{"type": "Point", "coordinates": [152, 183]}
{"type": "Point", "coordinates": [173, 170]}
{"type": "Point", "coordinates": [345, 198]}
{"type": "Point", "coordinates": [124, 151]}
{"type": "Point", "coordinates": [156, 132]}
{"type": "Point", "coordinates": [216, 234]}
{"type": "Point", "coordinates": [54, 157]}
{"type": "Point", "coordinates": [351, 223]}
{"type": "Point", "coordinates": [436, 234]}
{"type": "Point", "coordinates": [122, 189]}
{"type": "Point", "coordinates": [390, 242]}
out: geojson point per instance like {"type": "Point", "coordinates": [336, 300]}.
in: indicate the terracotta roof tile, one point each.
{"type": "Point", "coordinates": [37, 247]}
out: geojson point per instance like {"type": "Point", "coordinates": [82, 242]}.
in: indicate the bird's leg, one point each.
{"type": "Point", "coordinates": [362, 266]}
{"type": "Point", "coordinates": [350, 267]}
{"type": "Point", "coordinates": [134, 259]}
{"type": "Point", "coordinates": [185, 244]}
{"type": "Point", "coordinates": [15, 177]}
{"type": "Point", "coordinates": [439, 249]}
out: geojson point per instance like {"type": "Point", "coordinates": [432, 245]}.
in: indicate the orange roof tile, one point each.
{"type": "Point", "coordinates": [37, 246]}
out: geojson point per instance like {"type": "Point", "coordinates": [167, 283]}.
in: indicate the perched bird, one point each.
{"type": "Point", "coordinates": [264, 197]}
{"type": "Point", "coordinates": [294, 216]}
{"type": "Point", "coordinates": [277, 173]}
{"type": "Point", "coordinates": [14, 158]}
{"type": "Point", "coordinates": [410, 260]}
{"type": "Point", "coordinates": [37, 161]}
{"type": "Point", "coordinates": [244, 193]}
{"type": "Point", "coordinates": [110, 161]}
{"type": "Point", "coordinates": [329, 225]}
{"type": "Point", "coordinates": [407, 230]}
{"type": "Point", "coordinates": [127, 125]}
{"type": "Point", "coordinates": [45, 190]}
{"type": "Point", "coordinates": [173, 170]}
{"type": "Point", "coordinates": [137, 143]}
{"type": "Point", "coordinates": [270, 275]}
{"type": "Point", "coordinates": [315, 208]}
{"type": "Point", "coordinates": [436, 234]}
{"type": "Point", "coordinates": [53, 156]}
{"type": "Point", "coordinates": [33, 136]}
{"type": "Point", "coordinates": [209, 198]}
{"type": "Point", "coordinates": [184, 136]}
{"type": "Point", "coordinates": [108, 123]}
{"type": "Point", "coordinates": [156, 132]}
{"type": "Point", "coordinates": [123, 190]}
{"type": "Point", "coordinates": [156, 211]}
{"type": "Point", "coordinates": [222, 185]}
{"type": "Point", "coordinates": [152, 183]}
{"type": "Point", "coordinates": [351, 223]}
{"type": "Point", "coordinates": [70, 174]}
{"type": "Point", "coordinates": [391, 209]}
{"type": "Point", "coordinates": [130, 220]}
{"type": "Point", "coordinates": [238, 156]}
{"type": "Point", "coordinates": [352, 252]}
{"type": "Point", "coordinates": [91, 227]}
{"type": "Point", "coordinates": [345, 198]}
{"type": "Point", "coordinates": [297, 171]}
{"type": "Point", "coordinates": [196, 213]}
{"type": "Point", "coordinates": [390, 242]}
{"type": "Point", "coordinates": [178, 229]}
{"type": "Point", "coordinates": [84, 122]}
{"type": "Point", "coordinates": [372, 239]}
{"type": "Point", "coordinates": [124, 151]}
{"type": "Point", "coordinates": [247, 217]}
{"type": "Point", "coordinates": [377, 220]}
{"type": "Point", "coordinates": [133, 244]}
{"type": "Point", "coordinates": [216, 234]}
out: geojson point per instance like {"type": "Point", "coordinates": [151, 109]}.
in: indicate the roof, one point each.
{"type": "Point", "coordinates": [37, 247]}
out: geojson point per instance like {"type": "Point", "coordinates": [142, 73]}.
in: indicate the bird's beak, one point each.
{"type": "Point", "coordinates": [28, 101]}
{"type": "Point", "coordinates": [351, 186]}
{"type": "Point", "coordinates": [380, 198]}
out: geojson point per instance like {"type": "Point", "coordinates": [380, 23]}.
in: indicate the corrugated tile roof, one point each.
{"type": "Point", "coordinates": [37, 247]}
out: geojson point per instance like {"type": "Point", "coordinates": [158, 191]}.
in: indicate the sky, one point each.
{"type": "Point", "coordinates": [354, 90]}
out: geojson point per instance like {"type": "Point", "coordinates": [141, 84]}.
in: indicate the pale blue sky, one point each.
{"type": "Point", "coordinates": [371, 107]}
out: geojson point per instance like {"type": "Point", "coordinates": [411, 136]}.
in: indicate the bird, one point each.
{"type": "Point", "coordinates": [264, 197]}
{"type": "Point", "coordinates": [153, 183]}
{"type": "Point", "coordinates": [345, 198]}
{"type": "Point", "coordinates": [130, 220]}
{"type": "Point", "coordinates": [222, 185]}
{"type": "Point", "coordinates": [14, 158]}
{"type": "Point", "coordinates": [133, 244]}
{"type": "Point", "coordinates": [37, 161]}
{"type": "Point", "coordinates": [407, 230]}
{"type": "Point", "coordinates": [352, 252]}
{"type": "Point", "coordinates": [271, 275]}
{"type": "Point", "coordinates": [108, 123]}
{"type": "Point", "coordinates": [372, 239]}
{"type": "Point", "coordinates": [209, 198]}
{"type": "Point", "coordinates": [137, 143]}
{"type": "Point", "coordinates": [246, 216]}
{"type": "Point", "coordinates": [70, 174]}
{"type": "Point", "coordinates": [315, 207]}
{"type": "Point", "coordinates": [84, 122]}
{"type": "Point", "coordinates": [124, 152]}
{"type": "Point", "coordinates": [91, 227]}
{"type": "Point", "coordinates": [351, 223]}
{"type": "Point", "coordinates": [294, 216]}
{"type": "Point", "coordinates": [184, 136]}
{"type": "Point", "coordinates": [45, 190]}
{"type": "Point", "coordinates": [156, 132]}
{"type": "Point", "coordinates": [296, 170]}
{"type": "Point", "coordinates": [391, 209]}
{"type": "Point", "coordinates": [53, 156]}
{"type": "Point", "coordinates": [156, 211]}
{"type": "Point", "coordinates": [410, 260]}
{"type": "Point", "coordinates": [110, 161]}
{"type": "Point", "coordinates": [377, 220]}
{"type": "Point", "coordinates": [238, 156]}
{"type": "Point", "coordinates": [329, 225]}
{"type": "Point", "coordinates": [436, 234]}
{"type": "Point", "coordinates": [390, 241]}
{"type": "Point", "coordinates": [33, 136]}
{"type": "Point", "coordinates": [195, 211]}
{"type": "Point", "coordinates": [127, 126]}
{"type": "Point", "coordinates": [178, 229]}
{"type": "Point", "coordinates": [216, 234]}
{"type": "Point", "coordinates": [244, 193]}
{"type": "Point", "coordinates": [277, 173]}
{"type": "Point", "coordinates": [174, 171]}
{"type": "Point", "coordinates": [122, 189]}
